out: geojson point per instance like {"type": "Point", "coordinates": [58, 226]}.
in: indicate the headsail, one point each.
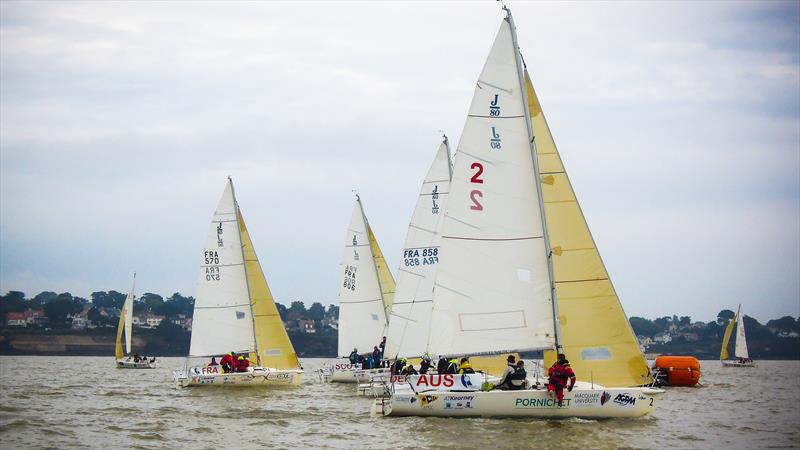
{"type": "Point", "coordinates": [409, 325]}
{"type": "Point", "coordinates": [726, 338]}
{"type": "Point", "coordinates": [385, 278]}
{"type": "Point", "coordinates": [274, 349]}
{"type": "Point", "coordinates": [492, 291]}
{"type": "Point", "coordinates": [595, 333]}
{"type": "Point", "coordinates": [223, 320]}
{"type": "Point", "coordinates": [740, 347]}
{"type": "Point", "coordinates": [362, 311]}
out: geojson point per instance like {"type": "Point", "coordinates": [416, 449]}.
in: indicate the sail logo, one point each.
{"type": "Point", "coordinates": [494, 107]}
{"type": "Point", "coordinates": [219, 235]}
{"type": "Point", "coordinates": [624, 400]}
{"type": "Point", "coordinates": [434, 197]}
{"type": "Point", "coordinates": [495, 142]}
{"type": "Point", "coordinates": [465, 381]}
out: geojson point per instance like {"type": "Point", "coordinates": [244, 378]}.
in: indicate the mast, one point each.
{"type": "Point", "coordinates": [372, 254]}
{"type": "Point", "coordinates": [449, 156]}
{"type": "Point", "coordinates": [244, 267]}
{"type": "Point", "coordinates": [534, 159]}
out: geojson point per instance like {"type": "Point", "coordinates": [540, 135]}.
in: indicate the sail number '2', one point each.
{"type": "Point", "coordinates": [476, 194]}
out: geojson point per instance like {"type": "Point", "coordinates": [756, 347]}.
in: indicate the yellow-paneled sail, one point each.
{"type": "Point", "coordinates": [723, 354]}
{"type": "Point", "coordinates": [384, 274]}
{"type": "Point", "coordinates": [273, 347]}
{"type": "Point", "coordinates": [118, 353]}
{"type": "Point", "coordinates": [595, 333]}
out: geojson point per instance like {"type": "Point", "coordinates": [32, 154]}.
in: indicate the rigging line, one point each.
{"type": "Point", "coordinates": [580, 281]}
{"type": "Point", "coordinates": [223, 306]}
{"type": "Point", "coordinates": [494, 117]}
{"type": "Point", "coordinates": [222, 265]}
{"type": "Point", "coordinates": [223, 221]}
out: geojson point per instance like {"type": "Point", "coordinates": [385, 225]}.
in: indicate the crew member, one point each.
{"type": "Point", "coordinates": [511, 369]}
{"type": "Point", "coordinates": [559, 373]}
{"type": "Point", "coordinates": [519, 377]}
{"type": "Point", "coordinates": [441, 366]}
{"type": "Point", "coordinates": [465, 366]}
{"type": "Point", "coordinates": [354, 356]}
{"type": "Point", "coordinates": [452, 366]}
{"type": "Point", "coordinates": [425, 365]}
{"type": "Point", "coordinates": [398, 366]}
{"type": "Point", "coordinates": [242, 364]}
{"type": "Point", "coordinates": [376, 357]}
{"type": "Point", "coordinates": [409, 370]}
{"type": "Point", "coordinates": [227, 363]}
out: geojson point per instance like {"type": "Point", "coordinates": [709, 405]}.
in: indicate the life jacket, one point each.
{"type": "Point", "coordinates": [466, 368]}
{"type": "Point", "coordinates": [452, 367]}
{"type": "Point", "coordinates": [518, 377]}
{"type": "Point", "coordinates": [353, 358]}
{"type": "Point", "coordinates": [560, 374]}
{"type": "Point", "coordinates": [424, 366]}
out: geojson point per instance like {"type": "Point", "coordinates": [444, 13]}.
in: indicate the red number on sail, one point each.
{"type": "Point", "coordinates": [475, 178]}
{"type": "Point", "coordinates": [476, 206]}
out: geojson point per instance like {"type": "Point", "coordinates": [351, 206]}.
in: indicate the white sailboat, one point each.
{"type": "Point", "coordinates": [126, 326]}
{"type": "Point", "coordinates": [234, 311]}
{"type": "Point", "coordinates": [740, 345]}
{"type": "Point", "coordinates": [366, 294]}
{"type": "Point", "coordinates": [495, 288]}
{"type": "Point", "coordinates": [409, 325]}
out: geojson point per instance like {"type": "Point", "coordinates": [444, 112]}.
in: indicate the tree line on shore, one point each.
{"type": "Point", "coordinates": [777, 339]}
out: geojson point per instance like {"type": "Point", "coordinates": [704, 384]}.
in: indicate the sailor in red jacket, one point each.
{"type": "Point", "coordinates": [242, 364]}
{"type": "Point", "coordinates": [560, 372]}
{"type": "Point", "coordinates": [227, 363]}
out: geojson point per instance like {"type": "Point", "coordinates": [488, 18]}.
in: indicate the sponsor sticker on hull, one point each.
{"type": "Point", "coordinates": [585, 399]}
{"type": "Point", "coordinates": [625, 400]}
{"type": "Point", "coordinates": [459, 401]}
{"type": "Point", "coordinates": [535, 403]}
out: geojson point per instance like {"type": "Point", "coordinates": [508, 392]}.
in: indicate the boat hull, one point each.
{"type": "Point", "coordinates": [125, 364]}
{"type": "Point", "coordinates": [583, 403]}
{"type": "Point", "coordinates": [255, 377]}
{"type": "Point", "coordinates": [738, 364]}
{"type": "Point", "coordinates": [349, 373]}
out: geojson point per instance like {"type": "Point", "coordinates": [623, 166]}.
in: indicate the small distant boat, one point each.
{"type": "Point", "coordinates": [235, 311]}
{"type": "Point", "coordinates": [126, 326]}
{"type": "Point", "coordinates": [366, 294]}
{"type": "Point", "coordinates": [740, 346]}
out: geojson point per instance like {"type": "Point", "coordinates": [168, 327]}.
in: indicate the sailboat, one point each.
{"type": "Point", "coordinates": [496, 289]}
{"type": "Point", "coordinates": [366, 294]}
{"type": "Point", "coordinates": [409, 325]}
{"type": "Point", "coordinates": [740, 345]}
{"type": "Point", "coordinates": [234, 311]}
{"type": "Point", "coordinates": [126, 326]}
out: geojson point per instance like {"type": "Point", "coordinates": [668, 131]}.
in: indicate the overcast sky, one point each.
{"type": "Point", "coordinates": [678, 122]}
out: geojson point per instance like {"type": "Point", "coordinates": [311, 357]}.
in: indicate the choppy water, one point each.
{"type": "Point", "coordinates": [69, 402]}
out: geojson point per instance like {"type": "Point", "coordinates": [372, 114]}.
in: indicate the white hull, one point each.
{"type": "Point", "coordinates": [588, 403]}
{"type": "Point", "coordinates": [254, 377]}
{"type": "Point", "coordinates": [738, 364]}
{"type": "Point", "coordinates": [125, 364]}
{"type": "Point", "coordinates": [348, 373]}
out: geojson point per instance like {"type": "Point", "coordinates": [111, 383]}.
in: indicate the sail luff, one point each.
{"type": "Point", "coordinates": [385, 278]}
{"type": "Point", "coordinates": [118, 353]}
{"type": "Point", "coordinates": [535, 160]}
{"type": "Point", "coordinates": [371, 240]}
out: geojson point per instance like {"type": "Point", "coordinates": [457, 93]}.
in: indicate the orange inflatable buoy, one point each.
{"type": "Point", "coordinates": [680, 370]}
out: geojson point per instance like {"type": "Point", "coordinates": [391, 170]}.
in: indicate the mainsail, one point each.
{"type": "Point", "coordinates": [740, 347]}
{"type": "Point", "coordinates": [223, 317]}
{"type": "Point", "coordinates": [595, 333]}
{"type": "Point", "coordinates": [125, 323]}
{"type": "Point", "coordinates": [492, 289]}
{"type": "Point", "coordinates": [409, 325]}
{"type": "Point", "coordinates": [362, 305]}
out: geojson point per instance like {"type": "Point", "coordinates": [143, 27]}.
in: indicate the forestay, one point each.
{"type": "Point", "coordinates": [595, 333]}
{"type": "Point", "coordinates": [362, 313]}
{"type": "Point", "coordinates": [409, 324]}
{"type": "Point", "coordinates": [492, 288]}
{"type": "Point", "coordinates": [223, 320]}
